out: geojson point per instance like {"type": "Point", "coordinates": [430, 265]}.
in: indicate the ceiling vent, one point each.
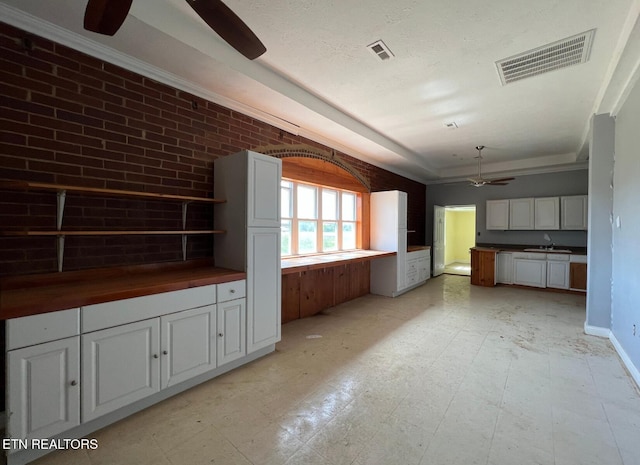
{"type": "Point", "coordinates": [566, 52]}
{"type": "Point", "coordinates": [380, 49]}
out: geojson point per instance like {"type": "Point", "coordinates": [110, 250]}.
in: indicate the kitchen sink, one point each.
{"type": "Point", "coordinates": [548, 250]}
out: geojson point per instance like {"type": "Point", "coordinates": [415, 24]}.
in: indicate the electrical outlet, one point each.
{"type": "Point", "coordinates": [634, 330]}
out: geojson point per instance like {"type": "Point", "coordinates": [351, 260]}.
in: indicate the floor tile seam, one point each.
{"type": "Point", "coordinates": [613, 435]}
{"type": "Point", "coordinates": [495, 424]}
{"type": "Point", "coordinates": [158, 447]}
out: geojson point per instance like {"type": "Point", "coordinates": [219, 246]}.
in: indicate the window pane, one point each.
{"type": "Point", "coordinates": [285, 238]}
{"type": "Point", "coordinates": [286, 200]}
{"type": "Point", "coordinates": [307, 203]}
{"type": "Point", "coordinates": [348, 236]}
{"type": "Point", "coordinates": [329, 237]}
{"type": "Point", "coordinates": [329, 204]}
{"type": "Point", "coordinates": [307, 238]}
{"type": "Point", "coordinates": [348, 207]}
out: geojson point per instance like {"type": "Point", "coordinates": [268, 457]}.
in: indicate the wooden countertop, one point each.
{"type": "Point", "coordinates": [312, 262]}
{"type": "Point", "coordinates": [415, 248]}
{"type": "Point", "coordinates": [33, 294]}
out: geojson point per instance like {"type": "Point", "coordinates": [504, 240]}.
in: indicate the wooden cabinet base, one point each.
{"type": "Point", "coordinates": [307, 293]}
{"type": "Point", "coordinates": [483, 267]}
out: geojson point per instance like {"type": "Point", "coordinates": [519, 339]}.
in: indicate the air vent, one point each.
{"type": "Point", "coordinates": [380, 49]}
{"type": "Point", "coordinates": [567, 52]}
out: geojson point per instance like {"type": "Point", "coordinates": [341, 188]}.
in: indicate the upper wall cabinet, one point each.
{"type": "Point", "coordinates": [574, 212]}
{"type": "Point", "coordinates": [547, 213]}
{"type": "Point", "coordinates": [521, 213]}
{"type": "Point", "coordinates": [498, 214]}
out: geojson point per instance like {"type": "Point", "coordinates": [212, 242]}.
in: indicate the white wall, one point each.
{"type": "Point", "coordinates": [625, 295]}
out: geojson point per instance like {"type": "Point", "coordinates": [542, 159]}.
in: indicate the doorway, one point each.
{"type": "Point", "coordinates": [457, 232]}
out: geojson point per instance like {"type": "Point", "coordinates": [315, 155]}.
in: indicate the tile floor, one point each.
{"type": "Point", "coordinates": [446, 374]}
{"type": "Point", "coordinates": [459, 268]}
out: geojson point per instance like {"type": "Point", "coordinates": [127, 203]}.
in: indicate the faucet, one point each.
{"type": "Point", "coordinates": [548, 239]}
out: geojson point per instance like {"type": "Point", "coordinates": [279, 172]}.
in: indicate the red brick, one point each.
{"type": "Point", "coordinates": [80, 78]}
{"type": "Point", "coordinates": [51, 79]}
{"type": "Point", "coordinates": [79, 160]}
{"type": "Point", "coordinates": [126, 148]}
{"type": "Point", "coordinates": [128, 167]}
{"type": "Point", "coordinates": [102, 173]}
{"type": "Point", "coordinates": [23, 105]}
{"type": "Point", "coordinates": [53, 123]}
{"type": "Point", "coordinates": [53, 145]}
{"type": "Point", "coordinates": [103, 154]}
{"type": "Point", "coordinates": [161, 122]}
{"type": "Point", "coordinates": [124, 93]}
{"type": "Point", "coordinates": [79, 139]}
{"type": "Point", "coordinates": [12, 138]}
{"type": "Point", "coordinates": [117, 71]}
{"type": "Point", "coordinates": [26, 60]}
{"type": "Point", "coordinates": [142, 108]}
{"type": "Point", "coordinates": [104, 135]}
{"type": "Point", "coordinates": [139, 142]}
{"type": "Point", "coordinates": [54, 168]}
{"type": "Point", "coordinates": [58, 60]}
{"type": "Point", "coordinates": [100, 96]}
{"type": "Point", "coordinates": [126, 112]}
{"type": "Point", "coordinates": [55, 102]}
{"type": "Point", "coordinates": [26, 152]}
{"type": "Point", "coordinates": [13, 162]}
{"type": "Point", "coordinates": [79, 118]}
{"type": "Point", "coordinates": [22, 82]}
{"type": "Point", "coordinates": [98, 73]}
{"type": "Point", "coordinates": [106, 116]}
{"type": "Point", "coordinates": [143, 160]}
{"type": "Point", "coordinates": [160, 138]}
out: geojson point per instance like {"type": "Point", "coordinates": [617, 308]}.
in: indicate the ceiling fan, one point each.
{"type": "Point", "coordinates": [106, 17]}
{"type": "Point", "coordinates": [480, 181]}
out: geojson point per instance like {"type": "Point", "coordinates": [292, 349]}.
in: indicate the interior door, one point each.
{"type": "Point", "coordinates": [438, 240]}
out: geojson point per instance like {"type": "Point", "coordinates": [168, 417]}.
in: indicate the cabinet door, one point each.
{"type": "Point", "coordinates": [424, 268]}
{"type": "Point", "coordinates": [119, 366]}
{"type": "Point", "coordinates": [558, 274]}
{"type": "Point", "coordinates": [411, 272]}
{"type": "Point", "coordinates": [263, 287]}
{"type": "Point", "coordinates": [547, 213]}
{"type": "Point", "coordinates": [504, 268]}
{"type": "Point", "coordinates": [263, 195]}
{"type": "Point", "coordinates": [188, 344]}
{"type": "Point", "coordinates": [521, 214]}
{"type": "Point", "coordinates": [578, 276]}
{"type": "Point", "coordinates": [44, 391]}
{"type": "Point", "coordinates": [498, 214]}
{"type": "Point", "coordinates": [528, 272]}
{"type": "Point", "coordinates": [574, 212]}
{"type": "Point", "coordinates": [232, 344]}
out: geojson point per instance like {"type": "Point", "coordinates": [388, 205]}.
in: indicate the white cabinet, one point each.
{"type": "Point", "coordinates": [574, 212]}
{"type": "Point", "coordinates": [498, 214]}
{"type": "Point", "coordinates": [250, 183]}
{"type": "Point", "coordinates": [558, 271]}
{"type": "Point", "coordinates": [418, 267]}
{"type": "Point", "coordinates": [547, 213]}
{"type": "Point", "coordinates": [388, 223]}
{"type": "Point", "coordinates": [521, 213]}
{"type": "Point", "coordinates": [119, 366]}
{"type": "Point", "coordinates": [43, 389]}
{"type": "Point", "coordinates": [504, 268]}
{"type": "Point", "coordinates": [263, 288]}
{"type": "Point", "coordinates": [424, 267]}
{"type": "Point", "coordinates": [530, 269]}
{"type": "Point", "coordinates": [232, 322]}
{"type": "Point", "coordinates": [188, 344]}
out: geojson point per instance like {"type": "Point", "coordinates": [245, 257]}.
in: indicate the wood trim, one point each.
{"type": "Point", "coordinates": [321, 172]}
{"type": "Point", "coordinates": [26, 185]}
{"type": "Point", "coordinates": [363, 238]}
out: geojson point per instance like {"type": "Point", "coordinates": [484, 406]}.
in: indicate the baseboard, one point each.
{"type": "Point", "coordinates": [633, 370]}
{"type": "Point", "coordinates": [596, 331]}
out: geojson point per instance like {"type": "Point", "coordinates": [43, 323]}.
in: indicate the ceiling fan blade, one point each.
{"type": "Point", "coordinates": [502, 180]}
{"type": "Point", "coordinates": [106, 16]}
{"type": "Point", "coordinates": [492, 183]}
{"type": "Point", "coordinates": [229, 26]}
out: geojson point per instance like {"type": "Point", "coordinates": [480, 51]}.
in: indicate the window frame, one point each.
{"type": "Point", "coordinates": [319, 219]}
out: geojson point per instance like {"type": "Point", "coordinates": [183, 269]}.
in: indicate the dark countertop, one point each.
{"type": "Point", "coordinates": [521, 247]}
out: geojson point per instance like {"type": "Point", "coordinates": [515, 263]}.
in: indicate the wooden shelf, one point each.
{"type": "Point", "coordinates": [61, 193]}
{"type": "Point", "coordinates": [27, 185]}
{"type": "Point", "coordinates": [111, 233]}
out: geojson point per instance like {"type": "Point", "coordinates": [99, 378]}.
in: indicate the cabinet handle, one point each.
{"type": "Point", "coordinates": [232, 291]}
{"type": "Point", "coordinates": [220, 334]}
{"type": "Point", "coordinates": [164, 352]}
{"type": "Point", "coordinates": [155, 355]}
{"type": "Point", "coordinates": [74, 382]}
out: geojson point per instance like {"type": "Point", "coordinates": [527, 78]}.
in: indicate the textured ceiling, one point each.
{"type": "Point", "coordinates": [319, 79]}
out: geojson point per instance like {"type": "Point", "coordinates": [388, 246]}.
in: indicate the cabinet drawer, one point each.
{"type": "Point", "coordinates": [36, 329]}
{"type": "Point", "coordinates": [120, 312]}
{"type": "Point", "coordinates": [232, 290]}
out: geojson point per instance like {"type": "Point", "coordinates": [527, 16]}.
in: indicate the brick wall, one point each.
{"type": "Point", "coordinates": [68, 118]}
